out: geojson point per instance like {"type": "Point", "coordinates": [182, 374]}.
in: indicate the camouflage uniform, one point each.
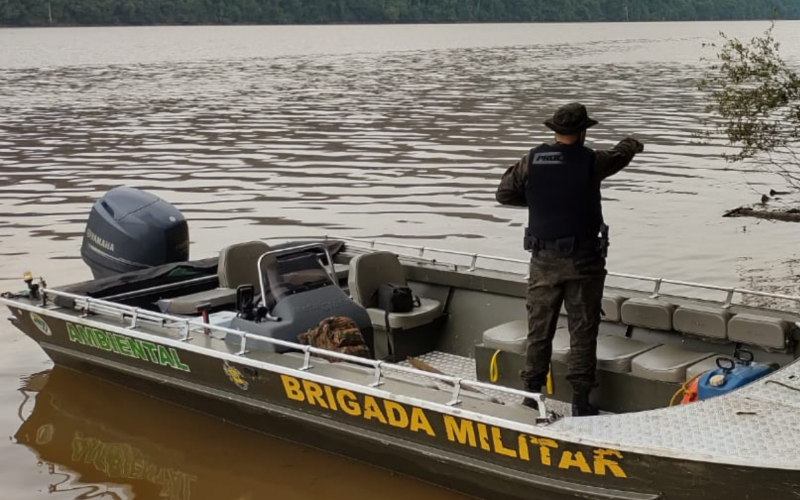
{"type": "Point", "coordinates": [575, 278]}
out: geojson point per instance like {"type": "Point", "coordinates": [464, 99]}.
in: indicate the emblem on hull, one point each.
{"type": "Point", "coordinates": [235, 376]}
{"type": "Point", "coordinates": [41, 324]}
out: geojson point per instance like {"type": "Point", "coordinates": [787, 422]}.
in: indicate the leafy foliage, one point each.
{"type": "Point", "coordinates": [756, 96]}
{"type": "Point", "coordinates": [92, 12]}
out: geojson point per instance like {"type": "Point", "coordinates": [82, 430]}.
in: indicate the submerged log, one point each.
{"type": "Point", "coordinates": [777, 214]}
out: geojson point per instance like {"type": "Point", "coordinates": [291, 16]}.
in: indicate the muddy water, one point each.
{"type": "Point", "coordinates": [398, 133]}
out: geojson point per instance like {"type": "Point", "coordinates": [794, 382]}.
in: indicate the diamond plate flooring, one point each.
{"type": "Point", "coordinates": [757, 425]}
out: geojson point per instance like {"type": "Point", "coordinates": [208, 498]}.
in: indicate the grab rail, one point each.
{"type": "Point", "coordinates": [185, 325]}
{"type": "Point", "coordinates": [657, 282]}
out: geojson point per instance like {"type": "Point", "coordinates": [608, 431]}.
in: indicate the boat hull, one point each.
{"type": "Point", "coordinates": [442, 444]}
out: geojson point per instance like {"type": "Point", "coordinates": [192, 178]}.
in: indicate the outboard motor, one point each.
{"type": "Point", "coordinates": [129, 229]}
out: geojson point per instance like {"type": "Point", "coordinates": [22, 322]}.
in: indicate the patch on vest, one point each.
{"type": "Point", "coordinates": [548, 158]}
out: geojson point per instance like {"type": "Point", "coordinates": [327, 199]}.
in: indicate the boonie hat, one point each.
{"type": "Point", "coordinates": [570, 119]}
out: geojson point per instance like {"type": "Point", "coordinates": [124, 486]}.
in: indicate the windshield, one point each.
{"type": "Point", "coordinates": [293, 274]}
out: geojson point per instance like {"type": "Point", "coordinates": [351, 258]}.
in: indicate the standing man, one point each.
{"type": "Point", "coordinates": [568, 241]}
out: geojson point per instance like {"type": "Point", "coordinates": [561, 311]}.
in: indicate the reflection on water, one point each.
{"type": "Point", "coordinates": [98, 439]}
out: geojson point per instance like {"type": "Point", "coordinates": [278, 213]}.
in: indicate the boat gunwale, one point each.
{"type": "Point", "coordinates": [518, 426]}
{"type": "Point", "coordinates": [472, 267]}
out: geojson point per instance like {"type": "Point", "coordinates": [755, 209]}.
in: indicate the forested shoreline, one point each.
{"type": "Point", "coordinates": [146, 12]}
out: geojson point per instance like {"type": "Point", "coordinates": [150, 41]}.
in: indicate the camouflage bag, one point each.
{"type": "Point", "coordinates": [338, 334]}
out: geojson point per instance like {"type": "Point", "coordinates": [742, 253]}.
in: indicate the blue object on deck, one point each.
{"type": "Point", "coordinates": [735, 373]}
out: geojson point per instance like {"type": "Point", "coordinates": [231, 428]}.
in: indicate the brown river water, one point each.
{"type": "Point", "coordinates": [392, 132]}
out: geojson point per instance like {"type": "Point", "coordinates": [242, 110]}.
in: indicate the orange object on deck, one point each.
{"type": "Point", "coordinates": [690, 392]}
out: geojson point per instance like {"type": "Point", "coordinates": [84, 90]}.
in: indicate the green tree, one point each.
{"type": "Point", "coordinates": [755, 97]}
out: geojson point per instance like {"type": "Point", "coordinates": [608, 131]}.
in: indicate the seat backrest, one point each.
{"type": "Point", "coordinates": [369, 271]}
{"type": "Point", "coordinates": [238, 264]}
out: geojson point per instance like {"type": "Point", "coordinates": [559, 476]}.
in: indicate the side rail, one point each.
{"type": "Point", "coordinates": [133, 318]}
{"type": "Point", "coordinates": [420, 253]}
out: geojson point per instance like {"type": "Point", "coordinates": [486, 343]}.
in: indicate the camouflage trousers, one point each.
{"type": "Point", "coordinates": [576, 281]}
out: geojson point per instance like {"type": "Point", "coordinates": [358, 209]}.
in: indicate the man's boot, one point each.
{"type": "Point", "coordinates": [580, 404]}
{"type": "Point", "coordinates": [530, 402]}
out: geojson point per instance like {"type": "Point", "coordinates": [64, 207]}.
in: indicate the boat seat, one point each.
{"type": "Point", "coordinates": [509, 337]}
{"type": "Point", "coordinates": [189, 304]}
{"type": "Point", "coordinates": [763, 331]}
{"type": "Point", "coordinates": [701, 367]}
{"type": "Point", "coordinates": [426, 313]}
{"type": "Point", "coordinates": [611, 306]}
{"type": "Point", "coordinates": [647, 313]}
{"type": "Point", "coordinates": [615, 353]}
{"type": "Point", "coordinates": [238, 264]}
{"type": "Point", "coordinates": [702, 321]}
{"type": "Point", "coordinates": [666, 363]}
{"type": "Point", "coordinates": [368, 272]}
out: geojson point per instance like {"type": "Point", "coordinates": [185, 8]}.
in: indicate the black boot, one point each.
{"type": "Point", "coordinates": [580, 404]}
{"type": "Point", "coordinates": [530, 402]}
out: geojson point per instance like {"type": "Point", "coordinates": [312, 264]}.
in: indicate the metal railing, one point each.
{"type": "Point", "coordinates": [420, 252]}
{"type": "Point", "coordinates": [134, 317]}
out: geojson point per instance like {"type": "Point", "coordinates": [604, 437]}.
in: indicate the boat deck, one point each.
{"type": "Point", "coordinates": [464, 367]}
{"type": "Point", "coordinates": [755, 425]}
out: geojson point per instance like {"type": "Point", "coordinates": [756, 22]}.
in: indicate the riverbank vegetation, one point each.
{"type": "Point", "coordinates": [111, 12]}
{"type": "Point", "coordinates": [754, 99]}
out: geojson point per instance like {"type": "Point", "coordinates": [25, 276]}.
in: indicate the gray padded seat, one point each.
{"type": "Point", "coordinates": [368, 272]}
{"type": "Point", "coordinates": [762, 331]}
{"type": "Point", "coordinates": [237, 266]}
{"type": "Point", "coordinates": [188, 304]}
{"type": "Point", "coordinates": [615, 353]}
{"type": "Point", "coordinates": [611, 306]}
{"type": "Point", "coordinates": [509, 337]}
{"type": "Point", "coordinates": [647, 313]}
{"type": "Point", "coordinates": [666, 363]}
{"type": "Point", "coordinates": [702, 367]}
{"type": "Point", "coordinates": [702, 321]}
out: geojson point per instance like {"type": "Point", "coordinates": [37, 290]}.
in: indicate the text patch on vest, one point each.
{"type": "Point", "coordinates": [549, 158]}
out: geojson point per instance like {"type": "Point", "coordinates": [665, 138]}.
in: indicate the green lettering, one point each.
{"type": "Point", "coordinates": [124, 346]}
{"type": "Point", "coordinates": [74, 334]}
{"type": "Point", "coordinates": [102, 339]}
{"type": "Point", "coordinates": [164, 358]}
{"type": "Point", "coordinates": [138, 349]}
{"type": "Point", "coordinates": [88, 335]}
{"type": "Point", "coordinates": [151, 351]}
{"type": "Point", "coordinates": [114, 341]}
{"type": "Point", "coordinates": [177, 360]}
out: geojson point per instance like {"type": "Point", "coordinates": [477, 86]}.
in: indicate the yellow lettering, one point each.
{"type": "Point", "coordinates": [544, 448]}
{"type": "Point", "coordinates": [348, 402]}
{"type": "Point", "coordinates": [396, 413]}
{"type": "Point", "coordinates": [497, 440]}
{"type": "Point", "coordinates": [484, 437]}
{"type": "Point", "coordinates": [372, 410]}
{"type": "Point", "coordinates": [330, 398]}
{"type": "Point", "coordinates": [602, 462]}
{"type": "Point", "coordinates": [569, 460]}
{"type": "Point", "coordinates": [292, 387]}
{"type": "Point", "coordinates": [419, 422]}
{"type": "Point", "coordinates": [463, 433]}
{"type": "Point", "coordinates": [522, 442]}
{"type": "Point", "coordinates": [314, 394]}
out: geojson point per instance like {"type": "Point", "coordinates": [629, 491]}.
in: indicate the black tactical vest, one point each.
{"type": "Point", "coordinates": [563, 193]}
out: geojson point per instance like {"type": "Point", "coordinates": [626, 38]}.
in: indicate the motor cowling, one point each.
{"type": "Point", "coordinates": [129, 229]}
